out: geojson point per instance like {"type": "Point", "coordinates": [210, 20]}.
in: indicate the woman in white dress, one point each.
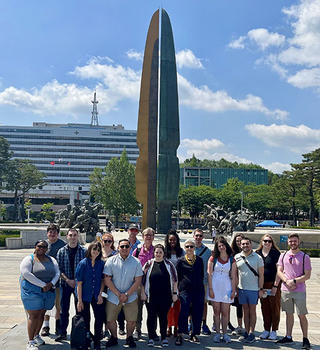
{"type": "Point", "coordinates": [222, 286]}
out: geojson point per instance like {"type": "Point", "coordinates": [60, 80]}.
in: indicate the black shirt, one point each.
{"type": "Point", "coordinates": [72, 255]}
{"type": "Point", "coordinates": [270, 264]}
{"type": "Point", "coordinates": [190, 277]}
{"type": "Point", "coordinates": [160, 287]}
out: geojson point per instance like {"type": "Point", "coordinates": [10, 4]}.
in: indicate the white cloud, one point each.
{"type": "Point", "coordinates": [238, 43]}
{"type": "Point", "coordinates": [305, 78]}
{"type": "Point", "coordinates": [261, 37]}
{"type": "Point", "coordinates": [202, 98]}
{"type": "Point", "coordinates": [298, 139]}
{"type": "Point", "coordinates": [133, 54]}
{"type": "Point", "coordinates": [276, 66]}
{"type": "Point", "coordinates": [212, 149]}
{"type": "Point", "coordinates": [186, 58]}
{"type": "Point", "coordinates": [264, 39]}
{"type": "Point", "coordinates": [277, 167]}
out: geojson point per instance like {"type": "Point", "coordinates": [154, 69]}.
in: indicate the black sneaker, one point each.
{"type": "Point", "coordinates": [122, 332]}
{"type": "Point", "coordinates": [285, 340]}
{"type": "Point", "coordinates": [137, 335]}
{"type": "Point", "coordinates": [130, 342]}
{"type": "Point", "coordinates": [112, 342]}
{"type": "Point", "coordinates": [61, 337]}
{"type": "Point", "coordinates": [45, 332]}
{"type": "Point", "coordinates": [58, 327]}
{"type": "Point", "coordinates": [306, 343]}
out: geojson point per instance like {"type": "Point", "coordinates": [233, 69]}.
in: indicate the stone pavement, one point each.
{"type": "Point", "coordinates": [13, 334]}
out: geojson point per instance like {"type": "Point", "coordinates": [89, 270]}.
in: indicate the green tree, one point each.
{"type": "Point", "coordinates": [115, 188]}
{"type": "Point", "coordinates": [308, 172]}
{"type": "Point", "coordinates": [230, 195]}
{"type": "Point", "coordinates": [193, 198]}
{"type": "Point", "coordinates": [20, 178]}
{"type": "Point", "coordinates": [257, 198]}
{"type": "Point", "coordinates": [5, 156]}
{"type": "Point", "coordinates": [47, 212]}
{"type": "Point", "coordinates": [3, 211]}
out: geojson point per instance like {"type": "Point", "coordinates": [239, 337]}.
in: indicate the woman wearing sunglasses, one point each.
{"type": "Point", "coordinates": [270, 304]}
{"type": "Point", "coordinates": [90, 285]}
{"type": "Point", "coordinates": [39, 274]}
{"type": "Point", "coordinates": [108, 246]}
{"type": "Point", "coordinates": [191, 292]}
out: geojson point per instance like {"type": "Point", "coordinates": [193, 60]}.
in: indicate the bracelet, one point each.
{"type": "Point", "coordinates": [174, 293]}
{"type": "Point", "coordinates": [274, 286]}
{"type": "Point", "coordinates": [261, 289]}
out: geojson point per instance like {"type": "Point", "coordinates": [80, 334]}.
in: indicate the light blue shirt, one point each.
{"type": "Point", "coordinates": [205, 258]}
{"type": "Point", "coordinates": [123, 273]}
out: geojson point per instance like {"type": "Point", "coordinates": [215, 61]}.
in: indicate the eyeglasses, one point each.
{"type": "Point", "coordinates": [96, 248]}
{"type": "Point", "coordinates": [107, 241]}
{"type": "Point", "coordinates": [42, 246]}
{"type": "Point", "coordinates": [189, 246]}
{"type": "Point", "coordinates": [267, 241]}
{"type": "Point", "coordinates": [148, 235]}
{"type": "Point", "coordinates": [126, 246]}
{"type": "Point", "coordinates": [198, 236]}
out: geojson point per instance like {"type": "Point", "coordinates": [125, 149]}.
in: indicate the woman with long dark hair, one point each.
{"type": "Point", "coordinates": [90, 285]}
{"type": "Point", "coordinates": [173, 252]}
{"type": "Point", "coordinates": [270, 304]}
{"type": "Point", "coordinates": [221, 285]}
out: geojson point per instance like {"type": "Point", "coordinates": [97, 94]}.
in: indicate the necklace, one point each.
{"type": "Point", "coordinates": [192, 260]}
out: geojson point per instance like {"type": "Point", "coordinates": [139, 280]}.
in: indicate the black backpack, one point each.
{"type": "Point", "coordinates": [78, 338]}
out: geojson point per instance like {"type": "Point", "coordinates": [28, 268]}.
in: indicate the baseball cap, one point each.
{"type": "Point", "coordinates": [133, 227]}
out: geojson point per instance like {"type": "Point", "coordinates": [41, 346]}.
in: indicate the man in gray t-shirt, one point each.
{"type": "Point", "coordinates": [54, 244]}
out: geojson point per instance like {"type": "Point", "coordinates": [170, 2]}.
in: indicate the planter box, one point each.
{"type": "Point", "coordinates": [14, 243]}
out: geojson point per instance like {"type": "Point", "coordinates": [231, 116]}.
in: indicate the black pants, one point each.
{"type": "Point", "coordinates": [98, 312]}
{"type": "Point", "coordinates": [158, 308]}
{"type": "Point", "coordinates": [65, 294]}
{"type": "Point", "coordinates": [121, 319]}
{"type": "Point", "coordinates": [195, 300]}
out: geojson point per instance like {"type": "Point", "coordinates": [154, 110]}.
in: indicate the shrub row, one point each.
{"type": "Point", "coordinates": [9, 232]}
{"type": "Point", "coordinates": [314, 253]}
{"type": "Point", "coordinates": [3, 238]}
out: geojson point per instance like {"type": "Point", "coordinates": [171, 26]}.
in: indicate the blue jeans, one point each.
{"type": "Point", "coordinates": [66, 292]}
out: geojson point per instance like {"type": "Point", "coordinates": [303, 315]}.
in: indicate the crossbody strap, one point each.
{"type": "Point", "coordinates": [250, 267]}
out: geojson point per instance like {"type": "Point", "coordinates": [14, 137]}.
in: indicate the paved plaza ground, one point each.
{"type": "Point", "coordinates": [13, 334]}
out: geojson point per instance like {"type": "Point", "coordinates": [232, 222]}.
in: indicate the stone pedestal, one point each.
{"type": "Point", "coordinates": [14, 243]}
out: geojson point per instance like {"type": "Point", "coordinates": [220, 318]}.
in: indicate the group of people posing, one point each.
{"type": "Point", "coordinates": [175, 284]}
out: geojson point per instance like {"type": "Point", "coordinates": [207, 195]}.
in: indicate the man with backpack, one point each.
{"type": "Point", "coordinates": [294, 269]}
{"type": "Point", "coordinates": [250, 287]}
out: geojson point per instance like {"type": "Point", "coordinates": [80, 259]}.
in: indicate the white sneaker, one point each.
{"type": "Point", "coordinates": [38, 340]}
{"type": "Point", "coordinates": [273, 335]}
{"type": "Point", "coordinates": [216, 338]}
{"type": "Point", "coordinates": [31, 345]}
{"type": "Point", "coordinates": [264, 335]}
{"type": "Point", "coordinates": [226, 338]}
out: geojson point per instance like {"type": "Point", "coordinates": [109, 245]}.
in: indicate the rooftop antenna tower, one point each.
{"type": "Point", "coordinates": [94, 118]}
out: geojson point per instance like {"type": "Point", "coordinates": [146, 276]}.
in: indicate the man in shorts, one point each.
{"type": "Point", "coordinates": [123, 274]}
{"type": "Point", "coordinates": [54, 244]}
{"type": "Point", "coordinates": [250, 271]}
{"type": "Point", "coordinates": [294, 268]}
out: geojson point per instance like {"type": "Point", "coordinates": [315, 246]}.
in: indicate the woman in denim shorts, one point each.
{"type": "Point", "coordinates": [39, 274]}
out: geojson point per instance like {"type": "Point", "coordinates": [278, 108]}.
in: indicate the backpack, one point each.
{"type": "Point", "coordinates": [78, 337]}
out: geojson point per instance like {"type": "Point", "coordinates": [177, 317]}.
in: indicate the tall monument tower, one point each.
{"type": "Point", "coordinates": [157, 173]}
{"type": "Point", "coordinates": [94, 113]}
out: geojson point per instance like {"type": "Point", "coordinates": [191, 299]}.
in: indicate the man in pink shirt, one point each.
{"type": "Point", "coordinates": [144, 253]}
{"type": "Point", "coordinates": [294, 268]}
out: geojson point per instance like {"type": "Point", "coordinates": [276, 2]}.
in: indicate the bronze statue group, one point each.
{"type": "Point", "coordinates": [175, 284]}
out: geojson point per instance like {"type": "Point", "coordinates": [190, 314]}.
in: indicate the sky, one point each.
{"type": "Point", "coordinates": [248, 71]}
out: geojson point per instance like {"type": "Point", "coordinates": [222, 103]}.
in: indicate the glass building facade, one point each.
{"type": "Point", "coordinates": [217, 177]}
{"type": "Point", "coordinates": [68, 153]}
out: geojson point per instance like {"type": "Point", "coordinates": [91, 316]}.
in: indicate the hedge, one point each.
{"type": "Point", "coordinates": [3, 238]}
{"type": "Point", "coordinates": [9, 232]}
{"type": "Point", "coordinates": [314, 253]}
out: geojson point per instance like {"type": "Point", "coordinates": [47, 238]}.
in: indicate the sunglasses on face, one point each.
{"type": "Point", "coordinates": [126, 246]}
{"type": "Point", "coordinates": [42, 246]}
{"type": "Point", "coordinates": [96, 248]}
{"type": "Point", "coordinates": [107, 241]}
{"type": "Point", "coordinates": [190, 246]}
{"type": "Point", "coordinates": [267, 241]}
{"type": "Point", "coordinates": [198, 236]}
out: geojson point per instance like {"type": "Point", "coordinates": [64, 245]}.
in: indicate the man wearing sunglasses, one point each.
{"type": "Point", "coordinates": [294, 269]}
{"type": "Point", "coordinates": [123, 274]}
{"type": "Point", "coordinates": [204, 253]}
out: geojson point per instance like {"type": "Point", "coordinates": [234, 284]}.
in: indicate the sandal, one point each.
{"type": "Point", "coordinates": [178, 341]}
{"type": "Point", "coordinates": [169, 332]}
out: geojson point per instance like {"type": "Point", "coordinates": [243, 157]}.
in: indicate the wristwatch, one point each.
{"type": "Point", "coordinates": [126, 294]}
{"type": "Point", "coordinates": [261, 289]}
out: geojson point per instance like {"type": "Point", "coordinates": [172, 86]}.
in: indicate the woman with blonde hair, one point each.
{"type": "Point", "coordinates": [270, 304]}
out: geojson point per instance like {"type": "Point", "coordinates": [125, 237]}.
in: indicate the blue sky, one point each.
{"type": "Point", "coordinates": [248, 71]}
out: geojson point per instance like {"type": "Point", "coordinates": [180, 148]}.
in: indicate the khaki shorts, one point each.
{"type": "Point", "coordinates": [130, 311]}
{"type": "Point", "coordinates": [291, 299]}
